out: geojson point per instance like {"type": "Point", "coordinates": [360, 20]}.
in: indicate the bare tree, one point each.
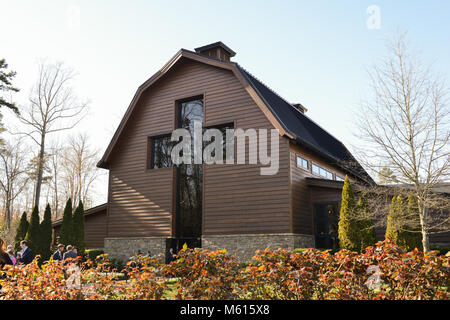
{"type": "Point", "coordinates": [32, 170]}
{"type": "Point", "coordinates": [13, 177]}
{"type": "Point", "coordinates": [55, 166]}
{"type": "Point", "coordinates": [404, 127]}
{"type": "Point", "coordinates": [53, 107]}
{"type": "Point", "coordinates": [79, 170]}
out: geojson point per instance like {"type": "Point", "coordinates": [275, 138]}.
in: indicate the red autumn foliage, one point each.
{"type": "Point", "coordinates": [204, 274]}
{"type": "Point", "coordinates": [385, 271]}
{"type": "Point", "coordinates": [312, 274]}
{"type": "Point", "coordinates": [75, 280]}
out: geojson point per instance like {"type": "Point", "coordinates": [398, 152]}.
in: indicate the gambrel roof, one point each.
{"type": "Point", "coordinates": [287, 119]}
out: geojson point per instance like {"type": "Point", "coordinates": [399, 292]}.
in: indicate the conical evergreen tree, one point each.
{"type": "Point", "coordinates": [66, 232]}
{"type": "Point", "coordinates": [391, 230]}
{"type": "Point", "coordinates": [397, 224]}
{"type": "Point", "coordinates": [46, 234]}
{"type": "Point", "coordinates": [400, 215]}
{"type": "Point", "coordinates": [78, 228]}
{"type": "Point", "coordinates": [348, 226]}
{"type": "Point", "coordinates": [33, 236]}
{"type": "Point", "coordinates": [413, 235]}
{"type": "Point", "coordinates": [21, 231]}
{"type": "Point", "coordinates": [367, 229]}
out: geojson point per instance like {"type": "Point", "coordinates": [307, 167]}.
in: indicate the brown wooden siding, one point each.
{"type": "Point", "coordinates": [237, 199]}
{"type": "Point", "coordinates": [304, 196]}
{"type": "Point", "coordinates": [94, 230]}
{"type": "Point", "coordinates": [440, 238]}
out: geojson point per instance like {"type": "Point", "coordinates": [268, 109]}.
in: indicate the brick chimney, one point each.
{"type": "Point", "coordinates": [216, 50]}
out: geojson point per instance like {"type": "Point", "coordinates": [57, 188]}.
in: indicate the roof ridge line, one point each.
{"type": "Point", "coordinates": [273, 91]}
{"type": "Point", "coordinates": [279, 96]}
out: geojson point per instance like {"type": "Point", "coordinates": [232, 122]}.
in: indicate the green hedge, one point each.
{"type": "Point", "coordinates": [93, 253]}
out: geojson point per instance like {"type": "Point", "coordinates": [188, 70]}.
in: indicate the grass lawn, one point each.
{"type": "Point", "coordinates": [172, 289]}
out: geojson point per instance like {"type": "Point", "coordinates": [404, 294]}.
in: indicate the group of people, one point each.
{"type": "Point", "coordinates": [25, 255]}
{"type": "Point", "coordinates": [59, 255]}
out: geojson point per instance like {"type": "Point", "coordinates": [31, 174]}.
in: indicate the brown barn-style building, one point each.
{"type": "Point", "coordinates": [153, 205]}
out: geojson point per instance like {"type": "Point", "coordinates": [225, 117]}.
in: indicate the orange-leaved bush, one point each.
{"type": "Point", "coordinates": [384, 271]}
{"type": "Point", "coordinates": [204, 274]}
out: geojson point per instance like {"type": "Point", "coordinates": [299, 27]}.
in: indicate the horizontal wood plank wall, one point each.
{"type": "Point", "coordinates": [302, 195]}
{"type": "Point", "coordinates": [95, 230]}
{"type": "Point", "coordinates": [236, 198]}
{"type": "Point", "coordinates": [443, 237]}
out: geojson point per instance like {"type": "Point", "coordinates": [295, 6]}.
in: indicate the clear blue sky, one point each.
{"type": "Point", "coordinates": [312, 52]}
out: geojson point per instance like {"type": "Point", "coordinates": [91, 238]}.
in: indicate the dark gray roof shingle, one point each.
{"type": "Point", "coordinates": [306, 131]}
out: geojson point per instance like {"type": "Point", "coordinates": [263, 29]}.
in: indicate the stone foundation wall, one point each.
{"type": "Point", "coordinates": [243, 246]}
{"type": "Point", "coordinates": [124, 248]}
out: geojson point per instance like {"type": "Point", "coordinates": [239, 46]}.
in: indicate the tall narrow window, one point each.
{"type": "Point", "coordinates": [189, 180]}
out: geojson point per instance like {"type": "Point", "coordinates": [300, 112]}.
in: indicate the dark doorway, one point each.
{"type": "Point", "coordinates": [189, 182]}
{"type": "Point", "coordinates": [326, 219]}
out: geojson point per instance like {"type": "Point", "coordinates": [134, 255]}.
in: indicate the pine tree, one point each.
{"type": "Point", "coordinates": [78, 228]}
{"type": "Point", "coordinates": [46, 233]}
{"type": "Point", "coordinates": [21, 231]}
{"type": "Point", "coordinates": [33, 236]}
{"type": "Point", "coordinates": [367, 229]}
{"type": "Point", "coordinates": [348, 227]}
{"type": "Point", "coordinates": [6, 78]}
{"type": "Point", "coordinates": [66, 232]}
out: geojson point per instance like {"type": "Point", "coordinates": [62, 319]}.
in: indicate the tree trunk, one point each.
{"type": "Point", "coordinates": [56, 201]}
{"type": "Point", "coordinates": [425, 237]}
{"type": "Point", "coordinates": [40, 172]}
{"type": "Point", "coordinates": [8, 213]}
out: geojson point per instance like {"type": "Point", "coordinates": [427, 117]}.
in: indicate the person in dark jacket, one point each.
{"type": "Point", "coordinates": [170, 256]}
{"type": "Point", "coordinates": [58, 255]}
{"type": "Point", "coordinates": [70, 253]}
{"type": "Point", "coordinates": [27, 255]}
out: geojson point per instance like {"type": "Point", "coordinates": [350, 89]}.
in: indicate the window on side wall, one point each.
{"type": "Point", "coordinates": [322, 172]}
{"type": "Point", "coordinates": [302, 163]}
